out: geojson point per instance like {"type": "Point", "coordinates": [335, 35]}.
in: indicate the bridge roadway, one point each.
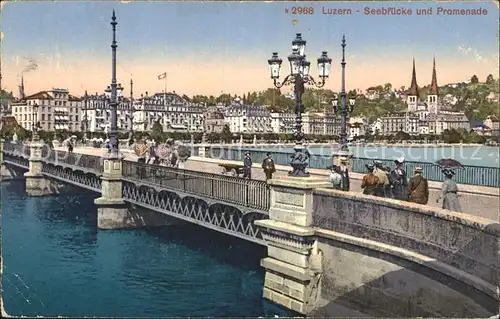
{"type": "Point", "coordinates": [222, 203]}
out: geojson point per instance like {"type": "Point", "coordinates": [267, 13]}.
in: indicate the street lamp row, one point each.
{"type": "Point", "coordinates": [299, 76]}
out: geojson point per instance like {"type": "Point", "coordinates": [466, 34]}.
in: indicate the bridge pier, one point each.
{"type": "Point", "coordinates": [294, 263]}
{"type": "Point", "coordinates": [112, 210]}
{"type": "Point", "coordinates": [36, 183]}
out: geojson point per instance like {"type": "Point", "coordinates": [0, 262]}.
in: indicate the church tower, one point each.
{"type": "Point", "coordinates": [412, 96]}
{"type": "Point", "coordinates": [432, 97]}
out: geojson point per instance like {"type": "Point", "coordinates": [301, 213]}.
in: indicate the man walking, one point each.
{"type": "Point", "coordinates": [418, 188]}
{"type": "Point", "coordinates": [268, 166]}
{"type": "Point", "coordinates": [247, 166]}
{"type": "Point", "coordinates": [344, 172]}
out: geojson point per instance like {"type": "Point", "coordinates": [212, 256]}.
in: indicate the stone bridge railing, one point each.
{"type": "Point", "coordinates": [385, 254]}
{"type": "Point", "coordinates": [381, 256]}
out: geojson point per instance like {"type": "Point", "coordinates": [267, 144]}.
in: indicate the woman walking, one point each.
{"type": "Point", "coordinates": [370, 181]}
{"type": "Point", "coordinates": [449, 192]}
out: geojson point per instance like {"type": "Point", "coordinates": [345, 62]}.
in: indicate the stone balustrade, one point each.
{"type": "Point", "coordinates": [384, 254]}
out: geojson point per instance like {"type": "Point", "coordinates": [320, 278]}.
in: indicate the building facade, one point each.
{"type": "Point", "coordinates": [54, 110]}
{"type": "Point", "coordinates": [324, 123]}
{"type": "Point", "coordinates": [170, 110]}
{"type": "Point", "coordinates": [243, 118]}
{"type": "Point", "coordinates": [446, 120]}
{"type": "Point", "coordinates": [283, 123]}
{"type": "Point", "coordinates": [399, 122]}
{"type": "Point", "coordinates": [214, 121]}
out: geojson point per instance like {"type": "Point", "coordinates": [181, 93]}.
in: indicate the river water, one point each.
{"type": "Point", "coordinates": [56, 263]}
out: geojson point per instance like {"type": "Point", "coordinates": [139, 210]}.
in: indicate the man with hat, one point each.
{"type": "Point", "coordinates": [383, 181]}
{"type": "Point", "coordinates": [247, 166]}
{"type": "Point", "coordinates": [344, 172]}
{"type": "Point", "coordinates": [400, 183]}
{"type": "Point", "coordinates": [268, 166]}
{"type": "Point", "coordinates": [418, 188]}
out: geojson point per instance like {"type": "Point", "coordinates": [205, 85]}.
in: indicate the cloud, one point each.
{"type": "Point", "coordinates": [475, 53]}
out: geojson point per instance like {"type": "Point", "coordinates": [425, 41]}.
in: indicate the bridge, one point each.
{"type": "Point", "coordinates": [386, 257]}
{"type": "Point", "coordinates": [222, 203]}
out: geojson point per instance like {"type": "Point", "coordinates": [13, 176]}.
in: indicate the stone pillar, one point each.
{"type": "Point", "coordinates": [112, 211]}
{"type": "Point", "coordinates": [202, 148]}
{"type": "Point", "coordinates": [293, 265]}
{"type": "Point", "coordinates": [36, 183]}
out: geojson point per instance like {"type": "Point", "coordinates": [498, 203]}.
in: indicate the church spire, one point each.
{"type": "Point", "coordinates": [21, 89]}
{"type": "Point", "coordinates": [413, 90]}
{"type": "Point", "coordinates": [434, 85]}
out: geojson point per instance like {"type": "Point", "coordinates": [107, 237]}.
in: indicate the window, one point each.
{"type": "Point", "coordinates": [43, 117]}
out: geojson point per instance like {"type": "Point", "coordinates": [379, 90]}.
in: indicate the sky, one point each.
{"type": "Point", "coordinates": [214, 47]}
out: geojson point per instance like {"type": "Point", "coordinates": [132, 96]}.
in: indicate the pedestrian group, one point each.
{"type": "Point", "coordinates": [382, 182]}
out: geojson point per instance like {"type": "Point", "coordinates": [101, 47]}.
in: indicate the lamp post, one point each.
{"type": "Point", "coordinates": [345, 110]}
{"type": "Point", "coordinates": [85, 122]}
{"type": "Point", "coordinates": [299, 76]}
{"type": "Point", "coordinates": [34, 136]}
{"type": "Point", "coordinates": [113, 139]}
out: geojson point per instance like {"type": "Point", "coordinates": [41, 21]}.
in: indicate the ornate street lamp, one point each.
{"type": "Point", "coordinates": [346, 107]}
{"type": "Point", "coordinates": [35, 125]}
{"type": "Point", "coordinates": [85, 122]}
{"type": "Point", "coordinates": [299, 76]}
{"type": "Point", "coordinates": [345, 110]}
{"type": "Point", "coordinates": [113, 139]}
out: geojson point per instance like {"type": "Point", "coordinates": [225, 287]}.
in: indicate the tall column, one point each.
{"type": "Point", "coordinates": [36, 183]}
{"type": "Point", "coordinates": [293, 265]}
{"type": "Point", "coordinates": [112, 211]}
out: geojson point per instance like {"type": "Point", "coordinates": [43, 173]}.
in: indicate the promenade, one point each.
{"type": "Point", "coordinates": [475, 200]}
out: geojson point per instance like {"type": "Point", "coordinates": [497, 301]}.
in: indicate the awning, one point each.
{"type": "Point", "coordinates": [178, 126]}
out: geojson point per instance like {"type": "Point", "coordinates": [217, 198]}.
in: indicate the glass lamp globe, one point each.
{"type": "Point", "coordinates": [274, 65]}
{"type": "Point", "coordinates": [295, 63]}
{"type": "Point", "coordinates": [324, 64]}
{"type": "Point", "coordinates": [306, 65]}
{"type": "Point", "coordinates": [299, 44]}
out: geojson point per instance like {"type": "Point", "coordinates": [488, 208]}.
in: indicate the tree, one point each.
{"type": "Point", "coordinates": [226, 134]}
{"type": "Point", "coordinates": [474, 79]}
{"type": "Point", "coordinates": [387, 87]}
{"type": "Point", "coordinates": [157, 131]}
{"type": "Point", "coordinates": [490, 79]}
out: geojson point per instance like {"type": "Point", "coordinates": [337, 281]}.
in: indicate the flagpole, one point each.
{"type": "Point", "coordinates": [165, 92]}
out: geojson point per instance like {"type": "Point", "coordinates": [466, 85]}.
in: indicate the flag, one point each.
{"type": "Point", "coordinates": [162, 76]}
